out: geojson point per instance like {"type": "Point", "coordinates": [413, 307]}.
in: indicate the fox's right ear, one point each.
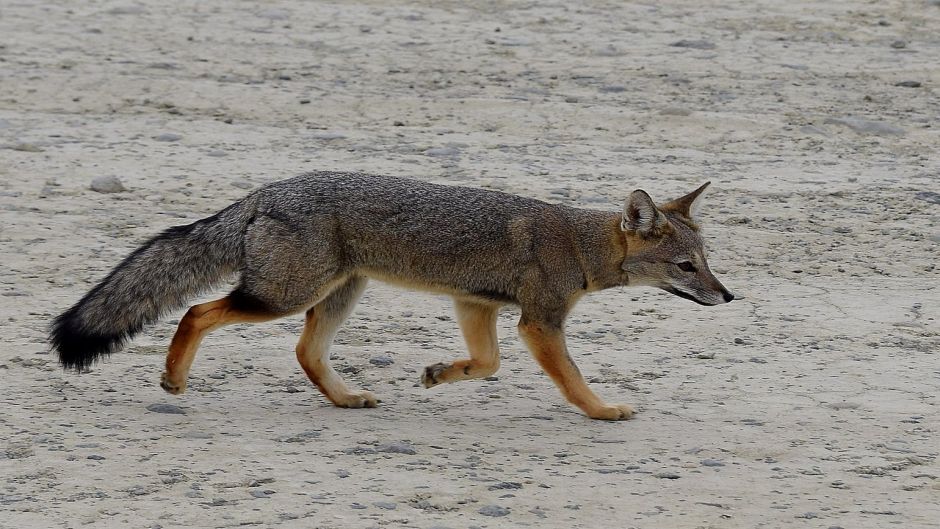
{"type": "Point", "coordinates": [640, 214]}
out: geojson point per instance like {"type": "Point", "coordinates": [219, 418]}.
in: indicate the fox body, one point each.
{"type": "Point", "coordinates": [310, 243]}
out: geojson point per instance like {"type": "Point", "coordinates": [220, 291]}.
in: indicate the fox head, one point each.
{"type": "Point", "coordinates": [665, 249]}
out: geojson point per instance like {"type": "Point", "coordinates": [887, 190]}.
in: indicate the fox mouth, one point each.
{"type": "Point", "coordinates": [690, 297]}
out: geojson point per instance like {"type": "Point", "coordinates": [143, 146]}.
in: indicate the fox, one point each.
{"type": "Point", "coordinates": [311, 243]}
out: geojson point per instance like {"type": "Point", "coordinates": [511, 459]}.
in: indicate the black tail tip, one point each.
{"type": "Point", "coordinates": [77, 347]}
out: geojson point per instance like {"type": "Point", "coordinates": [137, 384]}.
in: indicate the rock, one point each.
{"type": "Point", "coordinates": [107, 184]}
{"type": "Point", "coordinates": [166, 408]}
{"type": "Point", "coordinates": [95, 457]}
{"type": "Point", "coordinates": [712, 463]}
{"type": "Point", "coordinates": [612, 89]}
{"type": "Point", "coordinates": [666, 475]}
{"type": "Point", "coordinates": [127, 10]}
{"type": "Point", "coordinates": [168, 136]}
{"type": "Point", "coordinates": [328, 135]}
{"type": "Point", "coordinates": [813, 129]}
{"type": "Point", "coordinates": [381, 361]}
{"type": "Point", "coordinates": [493, 510]}
{"type": "Point", "coordinates": [899, 44]}
{"type": "Point", "coordinates": [26, 147]}
{"type": "Point", "coordinates": [505, 485]}
{"type": "Point", "coordinates": [216, 153]}
{"type": "Point", "coordinates": [675, 111]}
{"type": "Point", "coordinates": [908, 84]}
{"type": "Point", "coordinates": [694, 44]}
{"type": "Point", "coordinates": [928, 196]}
{"type": "Point", "coordinates": [387, 505]}
{"type": "Point", "coordinates": [864, 126]}
{"type": "Point", "coordinates": [442, 152]}
{"type": "Point", "coordinates": [397, 448]}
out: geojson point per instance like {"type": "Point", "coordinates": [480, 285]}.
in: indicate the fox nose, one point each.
{"type": "Point", "coordinates": [729, 297]}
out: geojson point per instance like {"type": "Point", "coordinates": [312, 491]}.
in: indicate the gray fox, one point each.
{"type": "Point", "coordinates": [310, 244]}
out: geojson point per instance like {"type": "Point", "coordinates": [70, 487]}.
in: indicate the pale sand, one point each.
{"type": "Point", "coordinates": [812, 402]}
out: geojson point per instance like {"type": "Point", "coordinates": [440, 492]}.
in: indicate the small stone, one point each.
{"type": "Point", "coordinates": [864, 126]}
{"type": "Point", "coordinates": [397, 448]}
{"type": "Point", "coordinates": [908, 84]}
{"type": "Point", "coordinates": [166, 408]}
{"type": "Point", "coordinates": [667, 475]}
{"type": "Point", "coordinates": [216, 153]}
{"type": "Point", "coordinates": [493, 510]}
{"type": "Point", "coordinates": [256, 493]}
{"type": "Point", "coordinates": [26, 147]}
{"type": "Point", "coordinates": [328, 135]}
{"type": "Point", "coordinates": [675, 111]}
{"type": "Point", "coordinates": [899, 44]}
{"type": "Point", "coordinates": [387, 505]}
{"type": "Point", "coordinates": [168, 136]}
{"type": "Point", "coordinates": [95, 457]}
{"type": "Point", "coordinates": [304, 101]}
{"type": "Point", "coordinates": [694, 44]}
{"type": "Point", "coordinates": [358, 506]}
{"type": "Point", "coordinates": [107, 184]}
{"type": "Point", "coordinates": [928, 196]}
{"type": "Point", "coordinates": [613, 89]}
{"type": "Point", "coordinates": [506, 485]}
{"type": "Point", "coordinates": [442, 152]}
{"type": "Point", "coordinates": [381, 361]}
{"type": "Point", "coordinates": [712, 463]}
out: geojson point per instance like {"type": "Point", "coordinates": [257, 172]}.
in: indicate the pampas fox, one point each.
{"type": "Point", "coordinates": [310, 244]}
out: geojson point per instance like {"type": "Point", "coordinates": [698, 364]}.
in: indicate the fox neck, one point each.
{"type": "Point", "coordinates": [603, 246]}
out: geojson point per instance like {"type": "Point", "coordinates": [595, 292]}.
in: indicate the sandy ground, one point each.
{"type": "Point", "coordinates": [812, 402]}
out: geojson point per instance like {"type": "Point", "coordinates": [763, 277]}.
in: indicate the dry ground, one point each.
{"type": "Point", "coordinates": [813, 402]}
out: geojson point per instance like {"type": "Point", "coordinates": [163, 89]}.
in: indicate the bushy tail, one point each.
{"type": "Point", "coordinates": [162, 275]}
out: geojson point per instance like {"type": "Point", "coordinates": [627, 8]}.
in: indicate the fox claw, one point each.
{"type": "Point", "coordinates": [616, 412]}
{"type": "Point", "coordinates": [170, 387]}
{"type": "Point", "coordinates": [429, 378]}
{"type": "Point", "coordinates": [361, 399]}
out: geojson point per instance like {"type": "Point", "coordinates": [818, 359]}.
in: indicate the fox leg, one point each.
{"type": "Point", "coordinates": [199, 321]}
{"type": "Point", "coordinates": [313, 349]}
{"type": "Point", "coordinates": [547, 344]}
{"type": "Point", "coordinates": [478, 324]}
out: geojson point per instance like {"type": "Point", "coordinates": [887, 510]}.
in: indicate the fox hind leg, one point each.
{"type": "Point", "coordinates": [199, 321]}
{"type": "Point", "coordinates": [313, 350]}
{"type": "Point", "coordinates": [478, 324]}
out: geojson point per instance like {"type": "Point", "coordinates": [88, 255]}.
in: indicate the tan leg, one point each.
{"type": "Point", "coordinates": [313, 349]}
{"type": "Point", "coordinates": [478, 324]}
{"type": "Point", "coordinates": [547, 344]}
{"type": "Point", "coordinates": [199, 321]}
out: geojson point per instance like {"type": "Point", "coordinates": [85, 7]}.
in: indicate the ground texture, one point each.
{"type": "Point", "coordinates": [812, 402]}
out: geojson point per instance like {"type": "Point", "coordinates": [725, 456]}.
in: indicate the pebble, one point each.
{"type": "Point", "coordinates": [675, 111]}
{"type": "Point", "coordinates": [694, 44]}
{"type": "Point", "coordinates": [217, 153]}
{"type": "Point", "coordinates": [442, 152]}
{"type": "Point", "coordinates": [166, 408]}
{"type": "Point", "coordinates": [908, 84]}
{"type": "Point", "coordinates": [382, 361]}
{"type": "Point", "coordinates": [667, 475]}
{"type": "Point", "coordinates": [107, 184]}
{"type": "Point", "coordinates": [397, 448]}
{"type": "Point", "coordinates": [387, 505]}
{"type": "Point", "coordinates": [26, 147]}
{"type": "Point", "coordinates": [899, 44]}
{"type": "Point", "coordinates": [328, 135]}
{"type": "Point", "coordinates": [260, 493]}
{"type": "Point", "coordinates": [712, 463]}
{"type": "Point", "coordinates": [168, 136]}
{"type": "Point", "coordinates": [493, 510]}
{"type": "Point", "coordinates": [928, 196]}
{"type": "Point", "coordinates": [864, 126]}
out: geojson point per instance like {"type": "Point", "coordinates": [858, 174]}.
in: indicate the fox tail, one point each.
{"type": "Point", "coordinates": [162, 275]}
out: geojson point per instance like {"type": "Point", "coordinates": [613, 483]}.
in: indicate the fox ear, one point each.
{"type": "Point", "coordinates": [640, 214]}
{"type": "Point", "coordinates": [689, 204]}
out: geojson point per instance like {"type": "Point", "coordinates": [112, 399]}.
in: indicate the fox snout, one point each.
{"type": "Point", "coordinates": [723, 296]}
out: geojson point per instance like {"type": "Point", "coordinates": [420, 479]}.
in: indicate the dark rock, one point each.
{"type": "Point", "coordinates": [166, 408]}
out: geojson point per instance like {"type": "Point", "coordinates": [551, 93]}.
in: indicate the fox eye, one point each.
{"type": "Point", "coordinates": [686, 266]}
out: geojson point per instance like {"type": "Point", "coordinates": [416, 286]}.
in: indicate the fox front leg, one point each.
{"type": "Point", "coordinates": [547, 344]}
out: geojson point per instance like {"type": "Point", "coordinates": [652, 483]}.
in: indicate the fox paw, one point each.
{"type": "Point", "coordinates": [358, 399]}
{"type": "Point", "coordinates": [174, 388]}
{"type": "Point", "coordinates": [616, 412]}
{"type": "Point", "coordinates": [433, 375]}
